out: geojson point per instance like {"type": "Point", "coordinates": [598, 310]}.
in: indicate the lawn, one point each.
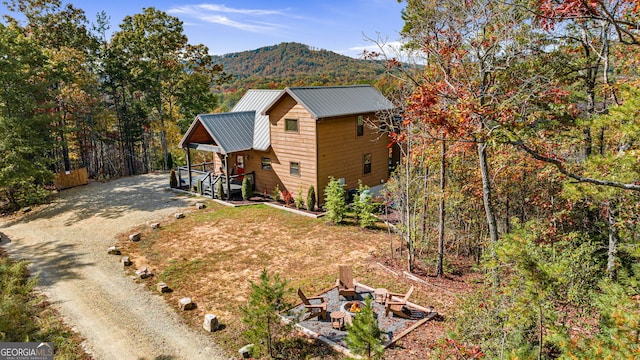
{"type": "Point", "coordinates": [212, 254]}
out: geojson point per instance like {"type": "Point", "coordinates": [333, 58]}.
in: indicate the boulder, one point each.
{"type": "Point", "coordinates": [200, 206]}
{"type": "Point", "coordinates": [155, 226]}
{"type": "Point", "coordinates": [245, 351]}
{"type": "Point", "coordinates": [144, 273]}
{"type": "Point", "coordinates": [126, 261]}
{"type": "Point", "coordinates": [186, 304]}
{"type": "Point", "coordinates": [179, 215]}
{"type": "Point", "coordinates": [134, 237]}
{"type": "Point", "coordinates": [163, 287]}
{"type": "Point", "coordinates": [113, 251]}
{"type": "Point", "coordinates": [210, 322]}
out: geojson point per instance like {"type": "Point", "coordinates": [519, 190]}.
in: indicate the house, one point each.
{"type": "Point", "coordinates": [296, 138]}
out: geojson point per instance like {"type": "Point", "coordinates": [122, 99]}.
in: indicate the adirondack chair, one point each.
{"type": "Point", "coordinates": [319, 310]}
{"type": "Point", "coordinates": [396, 306]}
{"type": "Point", "coordinates": [345, 282]}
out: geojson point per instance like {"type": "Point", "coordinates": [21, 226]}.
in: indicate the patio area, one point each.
{"type": "Point", "coordinates": [393, 327]}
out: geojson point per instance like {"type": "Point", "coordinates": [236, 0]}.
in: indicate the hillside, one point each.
{"type": "Point", "coordinates": [292, 64]}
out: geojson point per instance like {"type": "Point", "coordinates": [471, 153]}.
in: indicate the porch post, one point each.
{"type": "Point", "coordinates": [226, 175]}
{"type": "Point", "coordinates": [189, 166]}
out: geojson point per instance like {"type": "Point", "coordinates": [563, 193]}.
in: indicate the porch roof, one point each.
{"type": "Point", "coordinates": [332, 101]}
{"type": "Point", "coordinates": [231, 132]}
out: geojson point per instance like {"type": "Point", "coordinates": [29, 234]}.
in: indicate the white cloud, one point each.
{"type": "Point", "coordinates": [390, 49]}
{"type": "Point", "coordinates": [251, 20]}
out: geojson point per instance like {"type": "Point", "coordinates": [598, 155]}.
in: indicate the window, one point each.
{"type": "Point", "coordinates": [366, 164]}
{"type": "Point", "coordinates": [291, 125]}
{"type": "Point", "coordinates": [360, 126]}
{"type": "Point", "coordinates": [294, 168]}
{"type": "Point", "coordinates": [266, 163]}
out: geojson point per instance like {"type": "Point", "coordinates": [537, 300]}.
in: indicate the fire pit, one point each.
{"type": "Point", "coordinates": [352, 307]}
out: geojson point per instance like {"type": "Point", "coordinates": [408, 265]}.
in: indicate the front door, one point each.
{"type": "Point", "coordinates": [240, 166]}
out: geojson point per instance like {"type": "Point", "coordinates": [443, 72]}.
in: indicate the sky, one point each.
{"type": "Point", "coordinates": [239, 25]}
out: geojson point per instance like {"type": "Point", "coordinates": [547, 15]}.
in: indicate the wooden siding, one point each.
{"type": "Point", "coordinates": [266, 180]}
{"type": "Point", "coordinates": [342, 152]}
{"type": "Point", "coordinates": [200, 135]}
{"type": "Point", "coordinates": [288, 146]}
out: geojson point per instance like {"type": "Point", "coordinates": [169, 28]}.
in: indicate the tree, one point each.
{"type": "Point", "coordinates": [335, 201]}
{"type": "Point", "coordinates": [299, 200]}
{"type": "Point", "coordinates": [25, 118]}
{"type": "Point", "coordinates": [246, 188]}
{"type": "Point", "coordinates": [311, 198]}
{"type": "Point", "coordinates": [71, 47]}
{"type": "Point", "coordinates": [441, 210]}
{"type": "Point", "coordinates": [616, 335]}
{"type": "Point", "coordinates": [167, 76]}
{"type": "Point", "coordinates": [539, 303]}
{"type": "Point", "coordinates": [261, 313]}
{"type": "Point", "coordinates": [364, 334]}
{"type": "Point", "coordinates": [364, 206]}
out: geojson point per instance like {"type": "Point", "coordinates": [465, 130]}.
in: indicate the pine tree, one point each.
{"type": "Point", "coordinates": [365, 207]}
{"type": "Point", "coordinates": [246, 188]}
{"type": "Point", "coordinates": [299, 201]}
{"type": "Point", "coordinates": [364, 334]}
{"type": "Point", "coordinates": [335, 201]}
{"type": "Point", "coordinates": [311, 198]}
{"type": "Point", "coordinates": [260, 315]}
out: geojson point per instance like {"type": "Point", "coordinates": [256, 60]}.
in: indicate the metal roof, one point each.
{"type": "Point", "coordinates": [332, 101]}
{"type": "Point", "coordinates": [258, 100]}
{"type": "Point", "coordinates": [232, 131]}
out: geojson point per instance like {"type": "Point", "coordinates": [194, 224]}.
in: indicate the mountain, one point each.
{"type": "Point", "coordinates": [293, 64]}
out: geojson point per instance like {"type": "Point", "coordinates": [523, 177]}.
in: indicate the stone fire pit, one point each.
{"type": "Point", "coordinates": [355, 305]}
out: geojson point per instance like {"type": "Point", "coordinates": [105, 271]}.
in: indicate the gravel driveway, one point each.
{"type": "Point", "coordinates": [67, 245]}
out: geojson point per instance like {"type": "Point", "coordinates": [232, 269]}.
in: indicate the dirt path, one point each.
{"type": "Point", "coordinates": [67, 245]}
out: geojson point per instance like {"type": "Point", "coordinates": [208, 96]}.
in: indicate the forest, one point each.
{"type": "Point", "coordinates": [520, 140]}
{"type": "Point", "coordinates": [519, 129]}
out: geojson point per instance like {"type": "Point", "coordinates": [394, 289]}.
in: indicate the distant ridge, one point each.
{"type": "Point", "coordinates": [297, 64]}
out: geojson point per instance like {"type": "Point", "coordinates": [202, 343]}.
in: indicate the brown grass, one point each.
{"type": "Point", "coordinates": [212, 254]}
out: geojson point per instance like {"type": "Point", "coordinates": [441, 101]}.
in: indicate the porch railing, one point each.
{"type": "Point", "coordinates": [205, 182]}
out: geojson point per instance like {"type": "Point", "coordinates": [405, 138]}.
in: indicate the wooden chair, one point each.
{"type": "Point", "coordinates": [319, 310]}
{"type": "Point", "coordinates": [345, 282]}
{"type": "Point", "coordinates": [397, 306]}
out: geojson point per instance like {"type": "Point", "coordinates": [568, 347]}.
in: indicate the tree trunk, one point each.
{"type": "Point", "coordinates": [613, 243]}
{"type": "Point", "coordinates": [540, 334]}
{"type": "Point", "coordinates": [441, 212]}
{"type": "Point", "coordinates": [486, 193]}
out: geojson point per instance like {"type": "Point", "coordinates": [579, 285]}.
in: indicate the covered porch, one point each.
{"type": "Point", "coordinates": [229, 137]}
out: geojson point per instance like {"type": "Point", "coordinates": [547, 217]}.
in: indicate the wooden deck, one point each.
{"type": "Point", "coordinates": [206, 183]}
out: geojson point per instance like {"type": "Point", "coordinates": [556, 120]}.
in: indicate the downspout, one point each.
{"type": "Point", "coordinates": [316, 185]}
{"type": "Point", "coordinates": [189, 167]}
{"type": "Point", "coordinates": [226, 175]}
